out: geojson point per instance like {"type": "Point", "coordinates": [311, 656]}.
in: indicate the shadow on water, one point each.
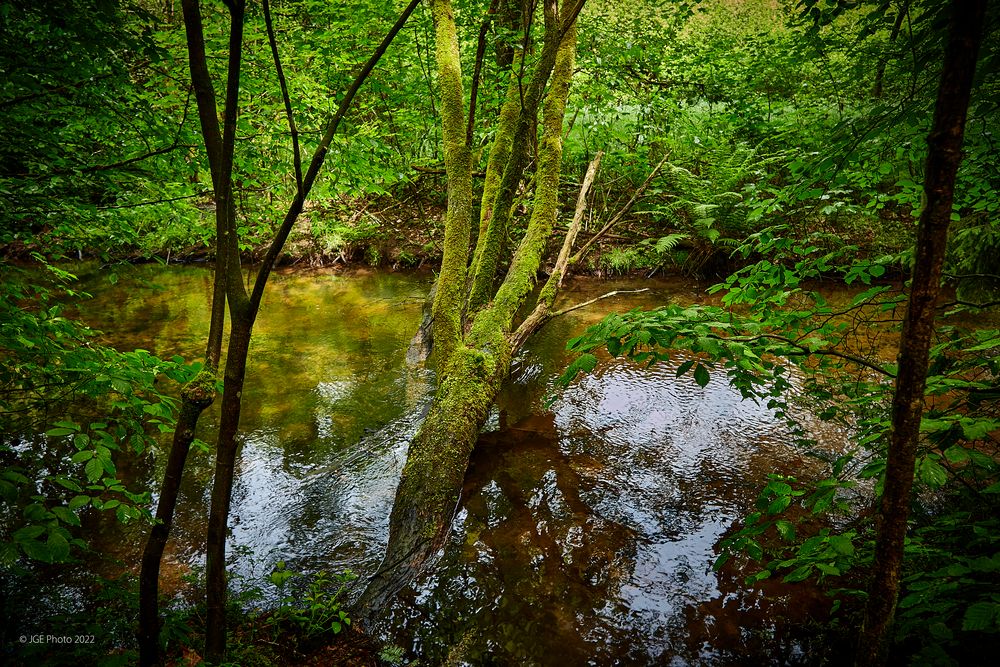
{"type": "Point", "coordinates": [586, 532]}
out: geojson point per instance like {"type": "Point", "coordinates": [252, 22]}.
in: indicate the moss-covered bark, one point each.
{"type": "Point", "coordinates": [489, 247]}
{"type": "Point", "coordinates": [448, 302]}
{"type": "Point", "coordinates": [499, 155]}
{"type": "Point", "coordinates": [429, 489]}
{"type": "Point", "coordinates": [520, 277]}
{"type": "Point", "coordinates": [432, 479]}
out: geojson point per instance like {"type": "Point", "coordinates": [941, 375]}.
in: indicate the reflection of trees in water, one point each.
{"type": "Point", "coordinates": [770, 622]}
{"type": "Point", "coordinates": [531, 560]}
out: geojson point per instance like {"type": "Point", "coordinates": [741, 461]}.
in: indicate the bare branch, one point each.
{"type": "Point", "coordinates": [546, 298]}
{"type": "Point", "coordinates": [581, 206]}
{"type": "Point", "coordinates": [296, 152]}
{"type": "Point", "coordinates": [599, 298]}
{"type": "Point", "coordinates": [620, 214]}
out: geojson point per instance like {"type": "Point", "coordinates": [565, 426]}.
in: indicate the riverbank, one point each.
{"type": "Point", "coordinates": [405, 230]}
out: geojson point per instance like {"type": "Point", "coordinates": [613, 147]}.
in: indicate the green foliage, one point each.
{"type": "Point", "coordinates": [100, 623]}
{"type": "Point", "coordinates": [770, 321]}
{"type": "Point", "coordinates": [94, 405]}
{"type": "Point", "coordinates": [319, 609]}
{"type": "Point", "coordinates": [951, 597]}
{"type": "Point", "coordinates": [392, 655]}
{"type": "Point", "coordinates": [621, 261]}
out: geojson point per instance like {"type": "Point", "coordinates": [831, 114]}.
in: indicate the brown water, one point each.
{"type": "Point", "coordinates": [586, 532]}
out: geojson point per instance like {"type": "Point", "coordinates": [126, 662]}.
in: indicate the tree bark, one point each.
{"type": "Point", "coordinates": [488, 248]}
{"type": "Point", "coordinates": [195, 398]}
{"type": "Point", "coordinates": [943, 158]}
{"type": "Point", "coordinates": [447, 323]}
{"type": "Point", "coordinates": [198, 394]}
{"type": "Point", "coordinates": [432, 478]}
{"type": "Point", "coordinates": [229, 288]}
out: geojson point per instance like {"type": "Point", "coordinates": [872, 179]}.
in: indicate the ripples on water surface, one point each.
{"type": "Point", "coordinates": [586, 532]}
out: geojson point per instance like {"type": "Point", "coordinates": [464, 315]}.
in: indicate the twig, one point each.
{"type": "Point", "coordinates": [599, 298]}
{"type": "Point", "coordinates": [621, 214]}
{"type": "Point", "coordinates": [440, 171]}
{"type": "Point", "coordinates": [296, 153]}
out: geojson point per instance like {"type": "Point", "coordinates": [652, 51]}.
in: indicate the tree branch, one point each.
{"type": "Point", "coordinates": [546, 298]}
{"type": "Point", "coordinates": [319, 156]}
{"type": "Point", "coordinates": [620, 214]}
{"type": "Point", "coordinates": [296, 152]}
{"type": "Point", "coordinates": [596, 299]}
{"type": "Point", "coordinates": [480, 53]}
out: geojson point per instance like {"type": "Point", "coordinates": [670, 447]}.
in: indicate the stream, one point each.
{"type": "Point", "coordinates": [586, 531]}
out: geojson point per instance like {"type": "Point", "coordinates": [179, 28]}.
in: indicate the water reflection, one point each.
{"type": "Point", "coordinates": [586, 532]}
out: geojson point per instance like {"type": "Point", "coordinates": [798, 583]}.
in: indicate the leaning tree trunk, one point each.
{"type": "Point", "coordinates": [472, 374]}
{"type": "Point", "coordinates": [943, 158]}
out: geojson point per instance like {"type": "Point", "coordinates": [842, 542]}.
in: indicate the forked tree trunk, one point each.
{"type": "Point", "coordinates": [474, 370]}
{"type": "Point", "coordinates": [943, 158]}
{"type": "Point", "coordinates": [243, 309]}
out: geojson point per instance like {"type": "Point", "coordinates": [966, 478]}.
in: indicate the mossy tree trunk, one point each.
{"type": "Point", "coordinates": [478, 361]}
{"type": "Point", "coordinates": [447, 311]}
{"type": "Point", "coordinates": [517, 120]}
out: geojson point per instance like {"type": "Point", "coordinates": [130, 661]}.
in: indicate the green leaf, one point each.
{"type": "Point", "coordinates": [58, 547]}
{"type": "Point", "coordinates": [931, 472]}
{"type": "Point", "coordinates": [585, 363]}
{"type": "Point", "coordinates": [8, 554]}
{"type": "Point", "coordinates": [786, 529]}
{"type": "Point", "coordinates": [956, 454]}
{"type": "Point", "coordinates": [36, 550]}
{"type": "Point", "coordinates": [828, 569]}
{"type": "Point", "coordinates": [981, 616]}
{"type": "Point", "coordinates": [66, 483]}
{"type": "Point", "coordinates": [977, 429]}
{"type": "Point", "coordinates": [78, 501]}
{"type": "Point", "coordinates": [842, 544]}
{"type": "Point", "coordinates": [15, 476]}
{"type": "Point", "coordinates": [66, 516]}
{"type": "Point", "coordinates": [801, 573]}
{"type": "Point", "coordinates": [685, 367]}
{"type": "Point", "coordinates": [94, 470]}
{"type": "Point", "coordinates": [80, 457]}
{"type": "Point", "coordinates": [28, 533]}
{"type": "Point", "coordinates": [701, 375]}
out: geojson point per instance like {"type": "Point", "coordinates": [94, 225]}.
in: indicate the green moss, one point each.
{"type": "Point", "coordinates": [500, 152]}
{"type": "Point", "coordinates": [484, 270]}
{"type": "Point", "coordinates": [520, 277]}
{"type": "Point", "coordinates": [201, 389]}
{"type": "Point", "coordinates": [448, 301]}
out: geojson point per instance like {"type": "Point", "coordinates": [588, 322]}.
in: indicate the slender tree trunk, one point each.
{"type": "Point", "coordinates": [200, 392]}
{"type": "Point", "coordinates": [447, 310]}
{"type": "Point", "coordinates": [243, 309]}
{"type": "Point", "coordinates": [228, 288]}
{"type": "Point", "coordinates": [943, 158]}
{"type": "Point", "coordinates": [222, 488]}
{"type": "Point", "coordinates": [195, 397]}
{"type": "Point", "coordinates": [489, 246]}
